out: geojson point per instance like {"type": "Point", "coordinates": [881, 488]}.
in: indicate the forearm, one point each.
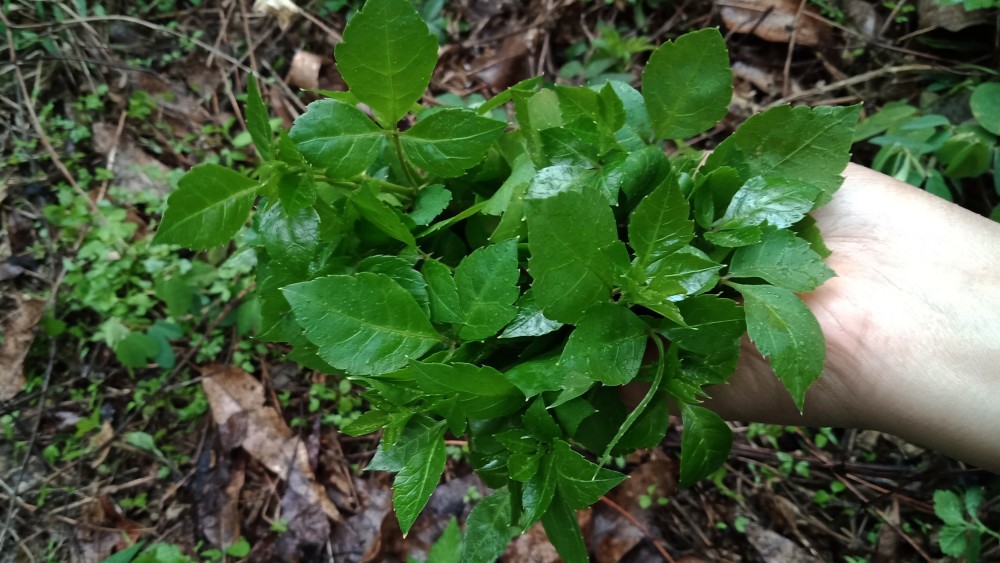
{"type": "Point", "coordinates": [912, 325]}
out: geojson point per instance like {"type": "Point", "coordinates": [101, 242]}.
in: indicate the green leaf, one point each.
{"type": "Point", "coordinates": [563, 530]}
{"type": "Point", "coordinates": [380, 215]}
{"type": "Point", "coordinates": [488, 529]}
{"type": "Point", "coordinates": [802, 144]}
{"type": "Point", "coordinates": [296, 190]}
{"type": "Point", "coordinates": [953, 539]}
{"type": "Point", "coordinates": [482, 391]}
{"type": "Point", "coordinates": [125, 555]}
{"type": "Point", "coordinates": [538, 492]}
{"type": "Point", "coordinates": [401, 271]}
{"type": "Point", "coordinates": [523, 466]}
{"type": "Point", "coordinates": [777, 201]}
{"type": "Point", "coordinates": [948, 507]}
{"type": "Point", "coordinates": [176, 293]}
{"type": "Point", "coordinates": [607, 345]}
{"type": "Point", "coordinates": [712, 324]}
{"type": "Point", "coordinates": [705, 443]}
{"type": "Point", "coordinates": [448, 547]}
{"type": "Point", "coordinates": [537, 376]}
{"type": "Point", "coordinates": [291, 240]}
{"type": "Point", "coordinates": [431, 202]}
{"type": "Point", "coordinates": [781, 259]}
{"type": "Point", "coordinates": [688, 271]}
{"type": "Point", "coordinates": [418, 457]}
{"type": "Point", "coordinates": [450, 141]}
{"type": "Point", "coordinates": [487, 289]}
{"type": "Point", "coordinates": [337, 137]}
{"type": "Point", "coordinates": [208, 207]}
{"type": "Point", "coordinates": [785, 331]}
{"type": "Point", "coordinates": [136, 349]}
{"type": "Point", "coordinates": [387, 57]}
{"type": "Point", "coordinates": [258, 123]}
{"type": "Point", "coordinates": [735, 238]}
{"type": "Point", "coordinates": [368, 422]}
{"type": "Point", "coordinates": [576, 255]}
{"type": "Point", "coordinates": [414, 484]}
{"type": "Point", "coordinates": [581, 483]}
{"type": "Point", "coordinates": [985, 102]}
{"type": "Point", "coordinates": [687, 84]}
{"type": "Point", "coordinates": [660, 224]}
{"type": "Point", "coordinates": [529, 320]}
{"type": "Point", "coordinates": [442, 292]}
{"type": "Point", "coordinates": [364, 324]}
{"type": "Point", "coordinates": [521, 173]}
{"type": "Point", "coordinates": [538, 421]}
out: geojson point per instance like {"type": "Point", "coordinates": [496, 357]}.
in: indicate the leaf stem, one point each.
{"type": "Point", "coordinates": [383, 185]}
{"type": "Point", "coordinates": [637, 412]}
{"type": "Point", "coordinates": [410, 175]}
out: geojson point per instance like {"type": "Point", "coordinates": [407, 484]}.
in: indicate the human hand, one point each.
{"type": "Point", "coordinates": [912, 325]}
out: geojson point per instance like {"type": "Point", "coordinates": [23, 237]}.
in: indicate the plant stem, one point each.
{"type": "Point", "coordinates": [637, 412]}
{"type": "Point", "coordinates": [402, 159]}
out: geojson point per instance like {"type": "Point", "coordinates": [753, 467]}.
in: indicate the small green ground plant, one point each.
{"type": "Point", "coordinates": [501, 280]}
{"type": "Point", "coordinates": [929, 150]}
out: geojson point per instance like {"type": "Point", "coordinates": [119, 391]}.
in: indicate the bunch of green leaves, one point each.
{"type": "Point", "coordinates": [609, 56]}
{"type": "Point", "coordinates": [962, 533]}
{"type": "Point", "coordinates": [500, 281]}
{"type": "Point", "coordinates": [930, 151]}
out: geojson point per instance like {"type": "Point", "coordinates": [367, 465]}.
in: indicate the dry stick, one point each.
{"type": "Point", "coordinates": [786, 86]}
{"type": "Point", "coordinates": [246, 34]}
{"type": "Point", "coordinates": [645, 532]}
{"type": "Point", "coordinates": [136, 21]}
{"type": "Point", "coordinates": [13, 507]}
{"type": "Point", "coordinates": [37, 126]}
{"type": "Point", "coordinates": [224, 18]}
{"type": "Point", "coordinates": [858, 79]}
{"type": "Point", "coordinates": [892, 16]}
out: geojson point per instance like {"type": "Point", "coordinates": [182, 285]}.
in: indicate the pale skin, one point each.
{"type": "Point", "coordinates": [912, 325]}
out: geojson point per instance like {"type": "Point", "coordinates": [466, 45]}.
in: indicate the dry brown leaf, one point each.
{"type": "Point", "coordinates": [17, 338]}
{"type": "Point", "coordinates": [532, 546]}
{"type": "Point", "coordinates": [304, 70]}
{"type": "Point", "coordinates": [284, 10]}
{"type": "Point", "coordinates": [773, 20]}
{"type": "Point", "coordinates": [775, 548]}
{"type": "Point", "coordinates": [134, 169]}
{"type": "Point", "coordinates": [952, 17]}
{"type": "Point", "coordinates": [237, 402]}
{"type": "Point", "coordinates": [218, 500]}
{"type": "Point", "coordinates": [614, 535]}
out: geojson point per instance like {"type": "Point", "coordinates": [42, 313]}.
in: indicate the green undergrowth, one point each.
{"type": "Point", "coordinates": [498, 280]}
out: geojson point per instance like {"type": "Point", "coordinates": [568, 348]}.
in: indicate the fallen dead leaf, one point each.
{"type": "Point", "coordinates": [952, 17]}
{"type": "Point", "coordinates": [304, 70]}
{"type": "Point", "coordinates": [218, 499]}
{"type": "Point", "coordinates": [775, 548]}
{"type": "Point", "coordinates": [532, 546]}
{"type": "Point", "coordinates": [359, 538]}
{"type": "Point", "coordinates": [134, 169]}
{"type": "Point", "coordinates": [614, 535]}
{"type": "Point", "coordinates": [773, 20]}
{"type": "Point", "coordinates": [284, 10]}
{"type": "Point", "coordinates": [17, 338]}
{"type": "Point", "coordinates": [237, 403]}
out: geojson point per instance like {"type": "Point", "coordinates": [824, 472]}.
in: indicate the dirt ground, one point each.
{"type": "Point", "coordinates": [102, 104]}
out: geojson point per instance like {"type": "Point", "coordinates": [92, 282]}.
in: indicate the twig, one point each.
{"type": "Point", "coordinates": [136, 21]}
{"type": "Point", "coordinates": [786, 86]}
{"type": "Point", "coordinates": [246, 34]}
{"type": "Point", "coordinates": [37, 126]}
{"type": "Point", "coordinates": [13, 507]}
{"type": "Point", "coordinates": [858, 79]}
{"type": "Point", "coordinates": [645, 532]}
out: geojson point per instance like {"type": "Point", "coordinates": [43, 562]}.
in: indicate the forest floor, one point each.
{"type": "Point", "coordinates": [106, 435]}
